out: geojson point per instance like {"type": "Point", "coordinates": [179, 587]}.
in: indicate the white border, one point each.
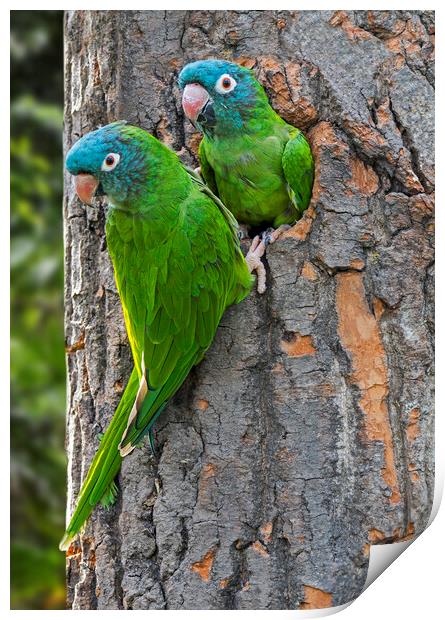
{"type": "Point", "coordinates": [412, 586]}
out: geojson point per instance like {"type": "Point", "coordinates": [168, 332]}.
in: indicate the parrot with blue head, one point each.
{"type": "Point", "coordinates": [260, 166]}
{"type": "Point", "coordinates": [178, 266]}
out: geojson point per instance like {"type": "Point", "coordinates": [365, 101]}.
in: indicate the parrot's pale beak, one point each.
{"type": "Point", "coordinates": [86, 186]}
{"type": "Point", "coordinates": [194, 99]}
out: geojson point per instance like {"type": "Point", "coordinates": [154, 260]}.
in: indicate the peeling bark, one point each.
{"type": "Point", "coordinates": [306, 434]}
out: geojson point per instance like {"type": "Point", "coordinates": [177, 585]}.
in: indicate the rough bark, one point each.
{"type": "Point", "coordinates": [306, 434]}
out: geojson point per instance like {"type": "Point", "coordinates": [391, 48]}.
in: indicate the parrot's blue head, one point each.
{"type": "Point", "coordinates": [220, 96]}
{"type": "Point", "coordinates": [110, 160]}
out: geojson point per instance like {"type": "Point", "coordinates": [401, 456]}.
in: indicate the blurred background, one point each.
{"type": "Point", "coordinates": [37, 347]}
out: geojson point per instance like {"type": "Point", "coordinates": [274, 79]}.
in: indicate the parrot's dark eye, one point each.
{"type": "Point", "coordinates": [110, 162]}
{"type": "Point", "coordinates": [225, 84]}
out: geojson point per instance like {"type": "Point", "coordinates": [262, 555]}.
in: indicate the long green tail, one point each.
{"type": "Point", "coordinates": [99, 484]}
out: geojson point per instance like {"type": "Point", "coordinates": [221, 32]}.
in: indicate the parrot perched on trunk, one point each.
{"type": "Point", "coordinates": [260, 166]}
{"type": "Point", "coordinates": [178, 266]}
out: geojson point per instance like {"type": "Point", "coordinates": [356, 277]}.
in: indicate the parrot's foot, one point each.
{"type": "Point", "coordinates": [253, 260]}
{"type": "Point", "coordinates": [197, 170]}
{"type": "Point", "coordinates": [270, 235]}
{"type": "Point", "coordinates": [256, 251]}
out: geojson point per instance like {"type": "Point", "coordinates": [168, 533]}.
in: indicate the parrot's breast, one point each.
{"type": "Point", "coordinates": [250, 179]}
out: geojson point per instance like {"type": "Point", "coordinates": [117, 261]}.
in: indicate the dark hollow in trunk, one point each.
{"type": "Point", "coordinates": [306, 434]}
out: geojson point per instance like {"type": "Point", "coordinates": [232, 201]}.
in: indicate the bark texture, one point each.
{"type": "Point", "coordinates": [306, 434]}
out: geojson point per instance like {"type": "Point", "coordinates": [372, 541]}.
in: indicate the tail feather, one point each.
{"type": "Point", "coordinates": [154, 402]}
{"type": "Point", "coordinates": [109, 497]}
{"type": "Point", "coordinates": [99, 483]}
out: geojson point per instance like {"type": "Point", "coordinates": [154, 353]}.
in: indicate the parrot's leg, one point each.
{"type": "Point", "coordinates": [270, 235]}
{"type": "Point", "coordinates": [253, 260]}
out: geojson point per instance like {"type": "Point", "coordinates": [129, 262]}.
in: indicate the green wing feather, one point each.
{"type": "Point", "coordinates": [298, 167]}
{"type": "Point", "coordinates": [228, 215]}
{"type": "Point", "coordinates": [207, 172]}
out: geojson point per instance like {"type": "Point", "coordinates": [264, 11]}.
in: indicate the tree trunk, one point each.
{"type": "Point", "coordinates": [306, 434]}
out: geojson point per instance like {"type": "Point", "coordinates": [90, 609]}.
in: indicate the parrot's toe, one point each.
{"type": "Point", "coordinates": [253, 259]}
{"type": "Point", "coordinates": [270, 235]}
{"type": "Point", "coordinates": [266, 236]}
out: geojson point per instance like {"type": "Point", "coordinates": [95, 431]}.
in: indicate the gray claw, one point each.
{"type": "Point", "coordinates": [266, 236]}
{"type": "Point", "coordinates": [243, 232]}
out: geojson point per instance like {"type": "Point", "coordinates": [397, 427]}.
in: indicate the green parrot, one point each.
{"type": "Point", "coordinates": [260, 166]}
{"type": "Point", "coordinates": [178, 265]}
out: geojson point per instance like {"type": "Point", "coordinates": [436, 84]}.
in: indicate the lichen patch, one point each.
{"type": "Point", "coordinates": [309, 272]}
{"type": "Point", "coordinates": [363, 177]}
{"type": "Point", "coordinates": [360, 337]}
{"type": "Point", "coordinates": [204, 566]}
{"type": "Point", "coordinates": [314, 598]}
{"type": "Point", "coordinates": [413, 428]}
{"type": "Point", "coordinates": [296, 345]}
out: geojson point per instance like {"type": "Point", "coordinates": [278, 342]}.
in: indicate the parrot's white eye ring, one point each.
{"type": "Point", "coordinates": [110, 162]}
{"type": "Point", "coordinates": [225, 84]}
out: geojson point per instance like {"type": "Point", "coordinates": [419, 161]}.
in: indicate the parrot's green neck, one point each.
{"type": "Point", "coordinates": [253, 121]}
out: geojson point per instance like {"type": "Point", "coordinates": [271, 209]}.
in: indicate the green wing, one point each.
{"type": "Point", "coordinates": [198, 275]}
{"type": "Point", "coordinates": [244, 280]}
{"type": "Point", "coordinates": [298, 167]}
{"type": "Point", "coordinates": [207, 172]}
{"type": "Point", "coordinates": [228, 215]}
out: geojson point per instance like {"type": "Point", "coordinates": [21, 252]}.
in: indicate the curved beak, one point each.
{"type": "Point", "coordinates": [194, 98]}
{"type": "Point", "coordinates": [86, 186]}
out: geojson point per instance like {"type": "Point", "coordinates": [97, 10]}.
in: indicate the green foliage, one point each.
{"type": "Point", "coordinates": [37, 355]}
